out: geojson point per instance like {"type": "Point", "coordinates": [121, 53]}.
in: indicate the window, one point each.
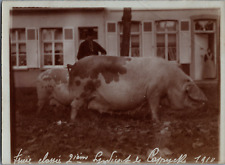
{"type": "Point", "coordinates": [84, 30]}
{"type": "Point", "coordinates": [204, 25]}
{"type": "Point", "coordinates": [18, 47]}
{"type": "Point", "coordinates": [134, 39]}
{"type": "Point", "coordinates": [68, 34]}
{"type": "Point", "coordinates": [147, 26]}
{"type": "Point", "coordinates": [184, 26]}
{"type": "Point", "coordinates": [166, 39]}
{"type": "Point", "coordinates": [111, 27]}
{"type": "Point", "coordinates": [31, 34]}
{"type": "Point", "coordinates": [52, 46]}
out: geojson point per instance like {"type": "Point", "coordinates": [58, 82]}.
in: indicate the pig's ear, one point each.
{"type": "Point", "coordinates": [194, 92]}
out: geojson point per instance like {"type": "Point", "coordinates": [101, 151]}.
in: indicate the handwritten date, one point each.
{"type": "Point", "coordinates": [204, 159]}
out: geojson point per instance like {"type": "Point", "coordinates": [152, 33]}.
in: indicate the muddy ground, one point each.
{"type": "Point", "coordinates": [191, 132]}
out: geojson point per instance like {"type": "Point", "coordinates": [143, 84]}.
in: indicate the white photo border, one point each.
{"type": "Point", "coordinates": [150, 5]}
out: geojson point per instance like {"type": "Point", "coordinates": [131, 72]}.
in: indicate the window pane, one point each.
{"type": "Point", "coordinates": [58, 34]}
{"type": "Point", "coordinates": [22, 54]}
{"type": "Point", "coordinates": [160, 40]}
{"type": "Point", "coordinates": [47, 47]}
{"type": "Point", "coordinates": [135, 27]}
{"type": "Point", "coordinates": [22, 60]}
{"type": "Point", "coordinates": [161, 52]}
{"type": "Point", "coordinates": [135, 46]}
{"type": "Point", "coordinates": [147, 26]}
{"type": "Point", "coordinates": [58, 48]}
{"type": "Point", "coordinates": [21, 34]}
{"type": "Point", "coordinates": [13, 60]}
{"type": "Point", "coordinates": [161, 26]}
{"type": "Point", "coordinates": [171, 25]}
{"type": "Point", "coordinates": [161, 45]}
{"type": "Point", "coordinates": [209, 25]}
{"type": "Point", "coordinates": [13, 35]}
{"type": "Point", "coordinates": [172, 47]}
{"type": "Point", "coordinates": [172, 54]}
{"type": "Point", "coordinates": [172, 40]}
{"type": "Point", "coordinates": [13, 49]}
{"type": "Point", "coordinates": [22, 48]}
{"type": "Point", "coordinates": [111, 27]}
{"type": "Point", "coordinates": [204, 25]}
{"type": "Point", "coordinates": [135, 52]}
{"type": "Point", "coordinates": [31, 34]}
{"type": "Point", "coordinates": [135, 41]}
{"type": "Point", "coordinates": [47, 34]}
{"type": "Point", "coordinates": [47, 59]}
{"type": "Point", "coordinates": [68, 34]}
{"type": "Point", "coordinates": [184, 26]}
{"type": "Point", "coordinates": [58, 59]}
{"type": "Point", "coordinates": [53, 48]}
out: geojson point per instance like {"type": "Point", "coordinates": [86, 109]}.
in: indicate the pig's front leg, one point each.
{"type": "Point", "coordinates": [75, 106]}
{"type": "Point", "coordinates": [153, 102]}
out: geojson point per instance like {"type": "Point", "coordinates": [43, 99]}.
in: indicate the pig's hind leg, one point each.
{"type": "Point", "coordinates": [153, 103]}
{"type": "Point", "coordinates": [43, 97]}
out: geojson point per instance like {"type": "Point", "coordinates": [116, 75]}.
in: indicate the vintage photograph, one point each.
{"type": "Point", "coordinates": [114, 85]}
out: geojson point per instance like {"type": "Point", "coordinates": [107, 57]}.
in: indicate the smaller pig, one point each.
{"type": "Point", "coordinates": [47, 83]}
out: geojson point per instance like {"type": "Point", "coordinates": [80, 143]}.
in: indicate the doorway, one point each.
{"type": "Point", "coordinates": [204, 50]}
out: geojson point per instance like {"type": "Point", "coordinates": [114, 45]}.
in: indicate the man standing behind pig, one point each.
{"type": "Point", "coordinates": [89, 47]}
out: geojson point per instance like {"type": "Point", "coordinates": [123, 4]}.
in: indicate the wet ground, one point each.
{"type": "Point", "coordinates": [190, 135]}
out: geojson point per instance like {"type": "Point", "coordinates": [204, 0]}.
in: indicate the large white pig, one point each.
{"type": "Point", "coordinates": [46, 83]}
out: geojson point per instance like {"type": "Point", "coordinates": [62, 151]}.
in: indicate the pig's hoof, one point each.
{"type": "Point", "coordinates": [72, 120]}
{"type": "Point", "coordinates": [156, 120]}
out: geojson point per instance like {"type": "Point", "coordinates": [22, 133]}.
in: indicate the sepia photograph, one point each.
{"type": "Point", "coordinates": [112, 82]}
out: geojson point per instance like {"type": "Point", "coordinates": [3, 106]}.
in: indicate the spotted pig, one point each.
{"type": "Point", "coordinates": [112, 84]}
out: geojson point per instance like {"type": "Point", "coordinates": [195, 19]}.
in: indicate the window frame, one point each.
{"type": "Point", "coordinates": [147, 21]}
{"type": "Point", "coordinates": [120, 33]}
{"type": "Point", "coordinates": [107, 27]}
{"type": "Point", "coordinates": [17, 42]}
{"type": "Point", "coordinates": [205, 31]}
{"type": "Point", "coordinates": [189, 25]}
{"type": "Point", "coordinates": [53, 42]}
{"type": "Point", "coordinates": [73, 33]}
{"type": "Point", "coordinates": [166, 33]}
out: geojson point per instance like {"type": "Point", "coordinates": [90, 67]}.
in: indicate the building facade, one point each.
{"type": "Point", "coordinates": [42, 38]}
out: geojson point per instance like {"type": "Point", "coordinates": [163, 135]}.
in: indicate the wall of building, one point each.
{"type": "Point", "coordinates": [99, 18]}
{"type": "Point", "coordinates": [115, 15]}
{"type": "Point", "coordinates": [57, 18]}
{"type": "Point", "coordinates": [26, 78]}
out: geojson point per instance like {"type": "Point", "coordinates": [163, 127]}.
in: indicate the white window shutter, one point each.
{"type": "Point", "coordinates": [147, 38]}
{"type": "Point", "coordinates": [185, 42]}
{"type": "Point", "coordinates": [111, 39]}
{"type": "Point", "coordinates": [69, 46]}
{"type": "Point", "coordinates": [32, 48]}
